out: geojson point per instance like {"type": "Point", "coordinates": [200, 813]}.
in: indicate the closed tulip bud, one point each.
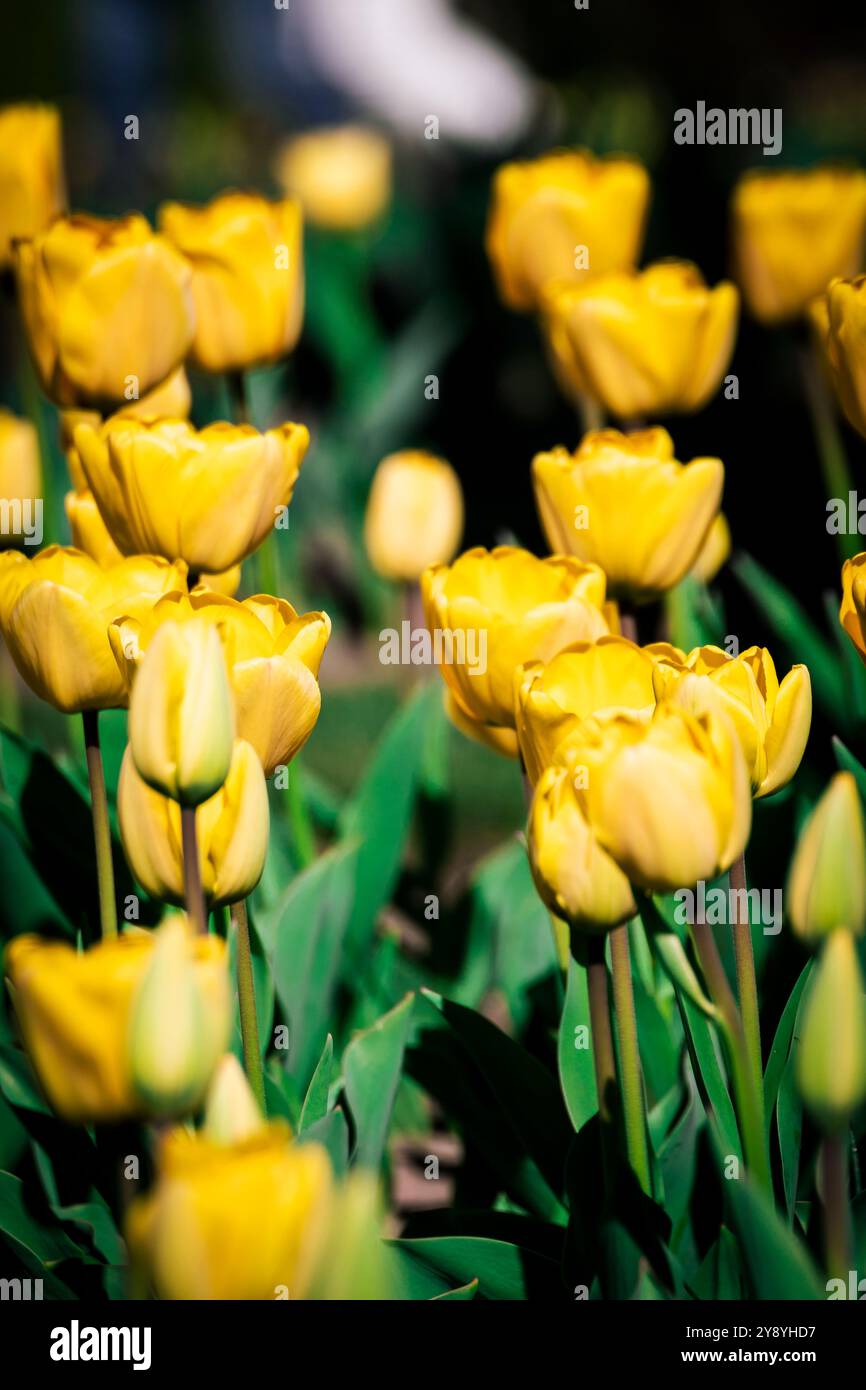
{"type": "Point", "coordinates": [831, 1057]}
{"type": "Point", "coordinates": [356, 1264]}
{"type": "Point", "coordinates": [566, 216]}
{"type": "Point", "coordinates": [106, 305]}
{"type": "Point", "coordinates": [501, 608]}
{"type": "Point", "coordinates": [827, 882]}
{"type": "Point", "coordinates": [232, 1112]}
{"type": "Point", "coordinates": [842, 326]}
{"type": "Point", "coordinates": [852, 611]}
{"type": "Point", "coordinates": [231, 832]}
{"type": "Point", "coordinates": [31, 173]}
{"type": "Point", "coordinates": [76, 1009]}
{"type": "Point", "coordinates": [772, 720]}
{"type": "Point", "coordinates": [414, 515]}
{"type": "Point", "coordinates": [247, 265]}
{"type": "Point", "coordinates": [714, 552]}
{"type": "Point", "coordinates": [793, 232]}
{"type": "Point", "coordinates": [209, 497]}
{"type": "Point", "coordinates": [643, 343]}
{"type": "Point", "coordinates": [176, 1035]}
{"type": "Point", "coordinates": [341, 176]}
{"type": "Point", "coordinates": [622, 501]}
{"type": "Point", "coordinates": [55, 611]}
{"type": "Point", "coordinates": [20, 480]}
{"type": "Point", "coordinates": [181, 716]}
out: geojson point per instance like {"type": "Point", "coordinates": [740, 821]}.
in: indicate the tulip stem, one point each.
{"type": "Point", "coordinates": [192, 871]}
{"type": "Point", "coordinates": [828, 438]}
{"type": "Point", "coordinates": [630, 1081]}
{"type": "Point", "coordinates": [603, 1057]}
{"type": "Point", "coordinates": [247, 1004]}
{"type": "Point", "coordinates": [238, 394]}
{"type": "Point", "coordinates": [747, 985]}
{"type": "Point", "coordinates": [101, 824]}
{"type": "Point", "coordinates": [838, 1237]}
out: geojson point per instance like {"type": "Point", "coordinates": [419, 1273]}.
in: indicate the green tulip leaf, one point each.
{"type": "Point", "coordinates": [372, 1065]}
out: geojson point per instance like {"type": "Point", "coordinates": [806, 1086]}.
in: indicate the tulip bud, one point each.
{"type": "Point", "coordinates": [181, 718]}
{"type": "Point", "coordinates": [827, 882]}
{"type": "Point", "coordinates": [355, 1263]}
{"type": "Point", "coordinates": [231, 1112]}
{"type": "Point", "coordinates": [414, 515]}
{"type": "Point", "coordinates": [831, 1060]}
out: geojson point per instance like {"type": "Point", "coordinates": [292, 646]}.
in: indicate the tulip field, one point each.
{"type": "Point", "coordinates": [432, 786]}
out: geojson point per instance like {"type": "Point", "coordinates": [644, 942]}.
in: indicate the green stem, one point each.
{"type": "Point", "coordinates": [747, 985]}
{"type": "Point", "coordinates": [828, 438]}
{"type": "Point", "coordinates": [838, 1234]}
{"type": "Point", "coordinates": [238, 395]}
{"type": "Point", "coordinates": [247, 1004]}
{"type": "Point", "coordinates": [101, 824]}
{"type": "Point", "coordinates": [630, 1082]}
{"type": "Point", "coordinates": [192, 871]}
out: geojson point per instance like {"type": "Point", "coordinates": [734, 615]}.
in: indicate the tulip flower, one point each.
{"type": "Point", "coordinates": [273, 657]}
{"type": "Point", "coordinates": [644, 343]}
{"type": "Point", "coordinates": [246, 256]}
{"type": "Point", "coordinates": [76, 1010]}
{"type": "Point", "coordinates": [504, 607]}
{"type": "Point", "coordinates": [20, 480]}
{"type": "Point", "coordinates": [414, 515]}
{"type": "Point", "coordinates": [714, 552]}
{"type": "Point", "coordinates": [31, 173]}
{"type": "Point", "coordinates": [54, 615]}
{"type": "Point", "coordinates": [493, 736]}
{"type": "Point", "coordinates": [827, 881]}
{"type": "Point", "coordinates": [831, 1057]}
{"type": "Point", "coordinates": [231, 832]}
{"type": "Point", "coordinates": [852, 611]}
{"type": "Point", "coordinates": [209, 496]}
{"type": "Point", "coordinates": [840, 323]}
{"type": "Point", "coordinates": [340, 175]}
{"type": "Point", "coordinates": [107, 308]}
{"type": "Point", "coordinates": [772, 720]}
{"type": "Point", "coordinates": [566, 216]}
{"type": "Point", "coordinates": [622, 501]}
{"type": "Point", "coordinates": [232, 1112]}
{"type": "Point", "coordinates": [794, 231]}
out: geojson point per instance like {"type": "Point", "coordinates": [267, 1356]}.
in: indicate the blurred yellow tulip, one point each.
{"type": "Point", "coordinates": [714, 552]}
{"type": "Point", "coordinates": [232, 832]}
{"type": "Point", "coordinates": [341, 175]}
{"type": "Point", "coordinates": [54, 615]}
{"type": "Point", "coordinates": [793, 232]}
{"type": "Point", "coordinates": [76, 1009]}
{"type": "Point", "coordinates": [852, 610]}
{"type": "Point", "coordinates": [831, 1057]}
{"type": "Point", "coordinates": [273, 657]}
{"type": "Point", "coordinates": [565, 216]}
{"type": "Point", "coordinates": [31, 173]}
{"type": "Point", "coordinates": [772, 720]}
{"type": "Point", "coordinates": [209, 496]}
{"type": "Point", "coordinates": [501, 608]}
{"type": "Point", "coordinates": [247, 265]}
{"type": "Point", "coordinates": [622, 501]}
{"type": "Point", "coordinates": [644, 342]}
{"type": "Point", "coordinates": [827, 879]}
{"type": "Point", "coordinates": [492, 736]}
{"type": "Point", "coordinates": [232, 1112]}
{"type": "Point", "coordinates": [107, 308]}
{"type": "Point", "coordinates": [20, 481]}
{"type": "Point", "coordinates": [839, 320]}
{"type": "Point", "coordinates": [414, 515]}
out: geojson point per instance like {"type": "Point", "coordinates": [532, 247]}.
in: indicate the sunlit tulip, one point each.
{"type": "Point", "coordinates": [772, 720]}
{"type": "Point", "coordinates": [341, 175]}
{"type": "Point", "coordinates": [232, 832]}
{"type": "Point", "coordinates": [852, 611]}
{"type": "Point", "coordinates": [645, 343]}
{"type": "Point", "coordinates": [831, 1057]}
{"type": "Point", "coordinates": [273, 657]}
{"type": "Point", "coordinates": [181, 713]}
{"type": "Point", "coordinates": [494, 610]}
{"type": "Point", "coordinates": [209, 496]}
{"type": "Point", "coordinates": [247, 277]}
{"type": "Point", "coordinates": [714, 552]}
{"type": "Point", "coordinates": [54, 615]}
{"type": "Point", "coordinates": [625, 503]}
{"type": "Point", "coordinates": [827, 880]}
{"type": "Point", "coordinates": [107, 308]}
{"type": "Point", "coordinates": [414, 515]}
{"type": "Point", "coordinates": [31, 173]}
{"type": "Point", "coordinates": [20, 481]}
{"type": "Point", "coordinates": [839, 320]}
{"type": "Point", "coordinates": [76, 1007]}
{"type": "Point", "coordinates": [566, 216]}
{"type": "Point", "coordinates": [794, 231]}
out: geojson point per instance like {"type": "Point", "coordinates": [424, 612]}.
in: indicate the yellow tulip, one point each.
{"type": "Point", "coordinates": [232, 832]}
{"type": "Point", "coordinates": [827, 881]}
{"type": "Point", "coordinates": [232, 1112]}
{"type": "Point", "coordinates": [622, 501]}
{"type": "Point", "coordinates": [172, 399]}
{"type": "Point", "coordinates": [75, 1009]}
{"type": "Point", "coordinates": [494, 610]}
{"type": "Point", "coordinates": [714, 552]}
{"type": "Point", "coordinates": [247, 277]}
{"type": "Point", "coordinates": [492, 736]}
{"type": "Point", "coordinates": [341, 176]}
{"type": "Point", "coordinates": [414, 515]}
{"type": "Point", "coordinates": [566, 216]}
{"type": "Point", "coordinates": [20, 481]}
{"type": "Point", "coordinates": [245, 1220]}
{"type": "Point", "coordinates": [209, 496]}
{"type": "Point", "coordinates": [794, 231]}
{"type": "Point", "coordinates": [772, 720]}
{"type": "Point", "coordinates": [54, 615]}
{"type": "Point", "coordinates": [839, 320]}
{"type": "Point", "coordinates": [666, 795]}
{"type": "Point", "coordinates": [31, 173]}
{"type": "Point", "coordinates": [831, 1057]}
{"type": "Point", "coordinates": [644, 343]}
{"type": "Point", "coordinates": [852, 611]}
{"type": "Point", "coordinates": [181, 713]}
{"type": "Point", "coordinates": [107, 307]}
